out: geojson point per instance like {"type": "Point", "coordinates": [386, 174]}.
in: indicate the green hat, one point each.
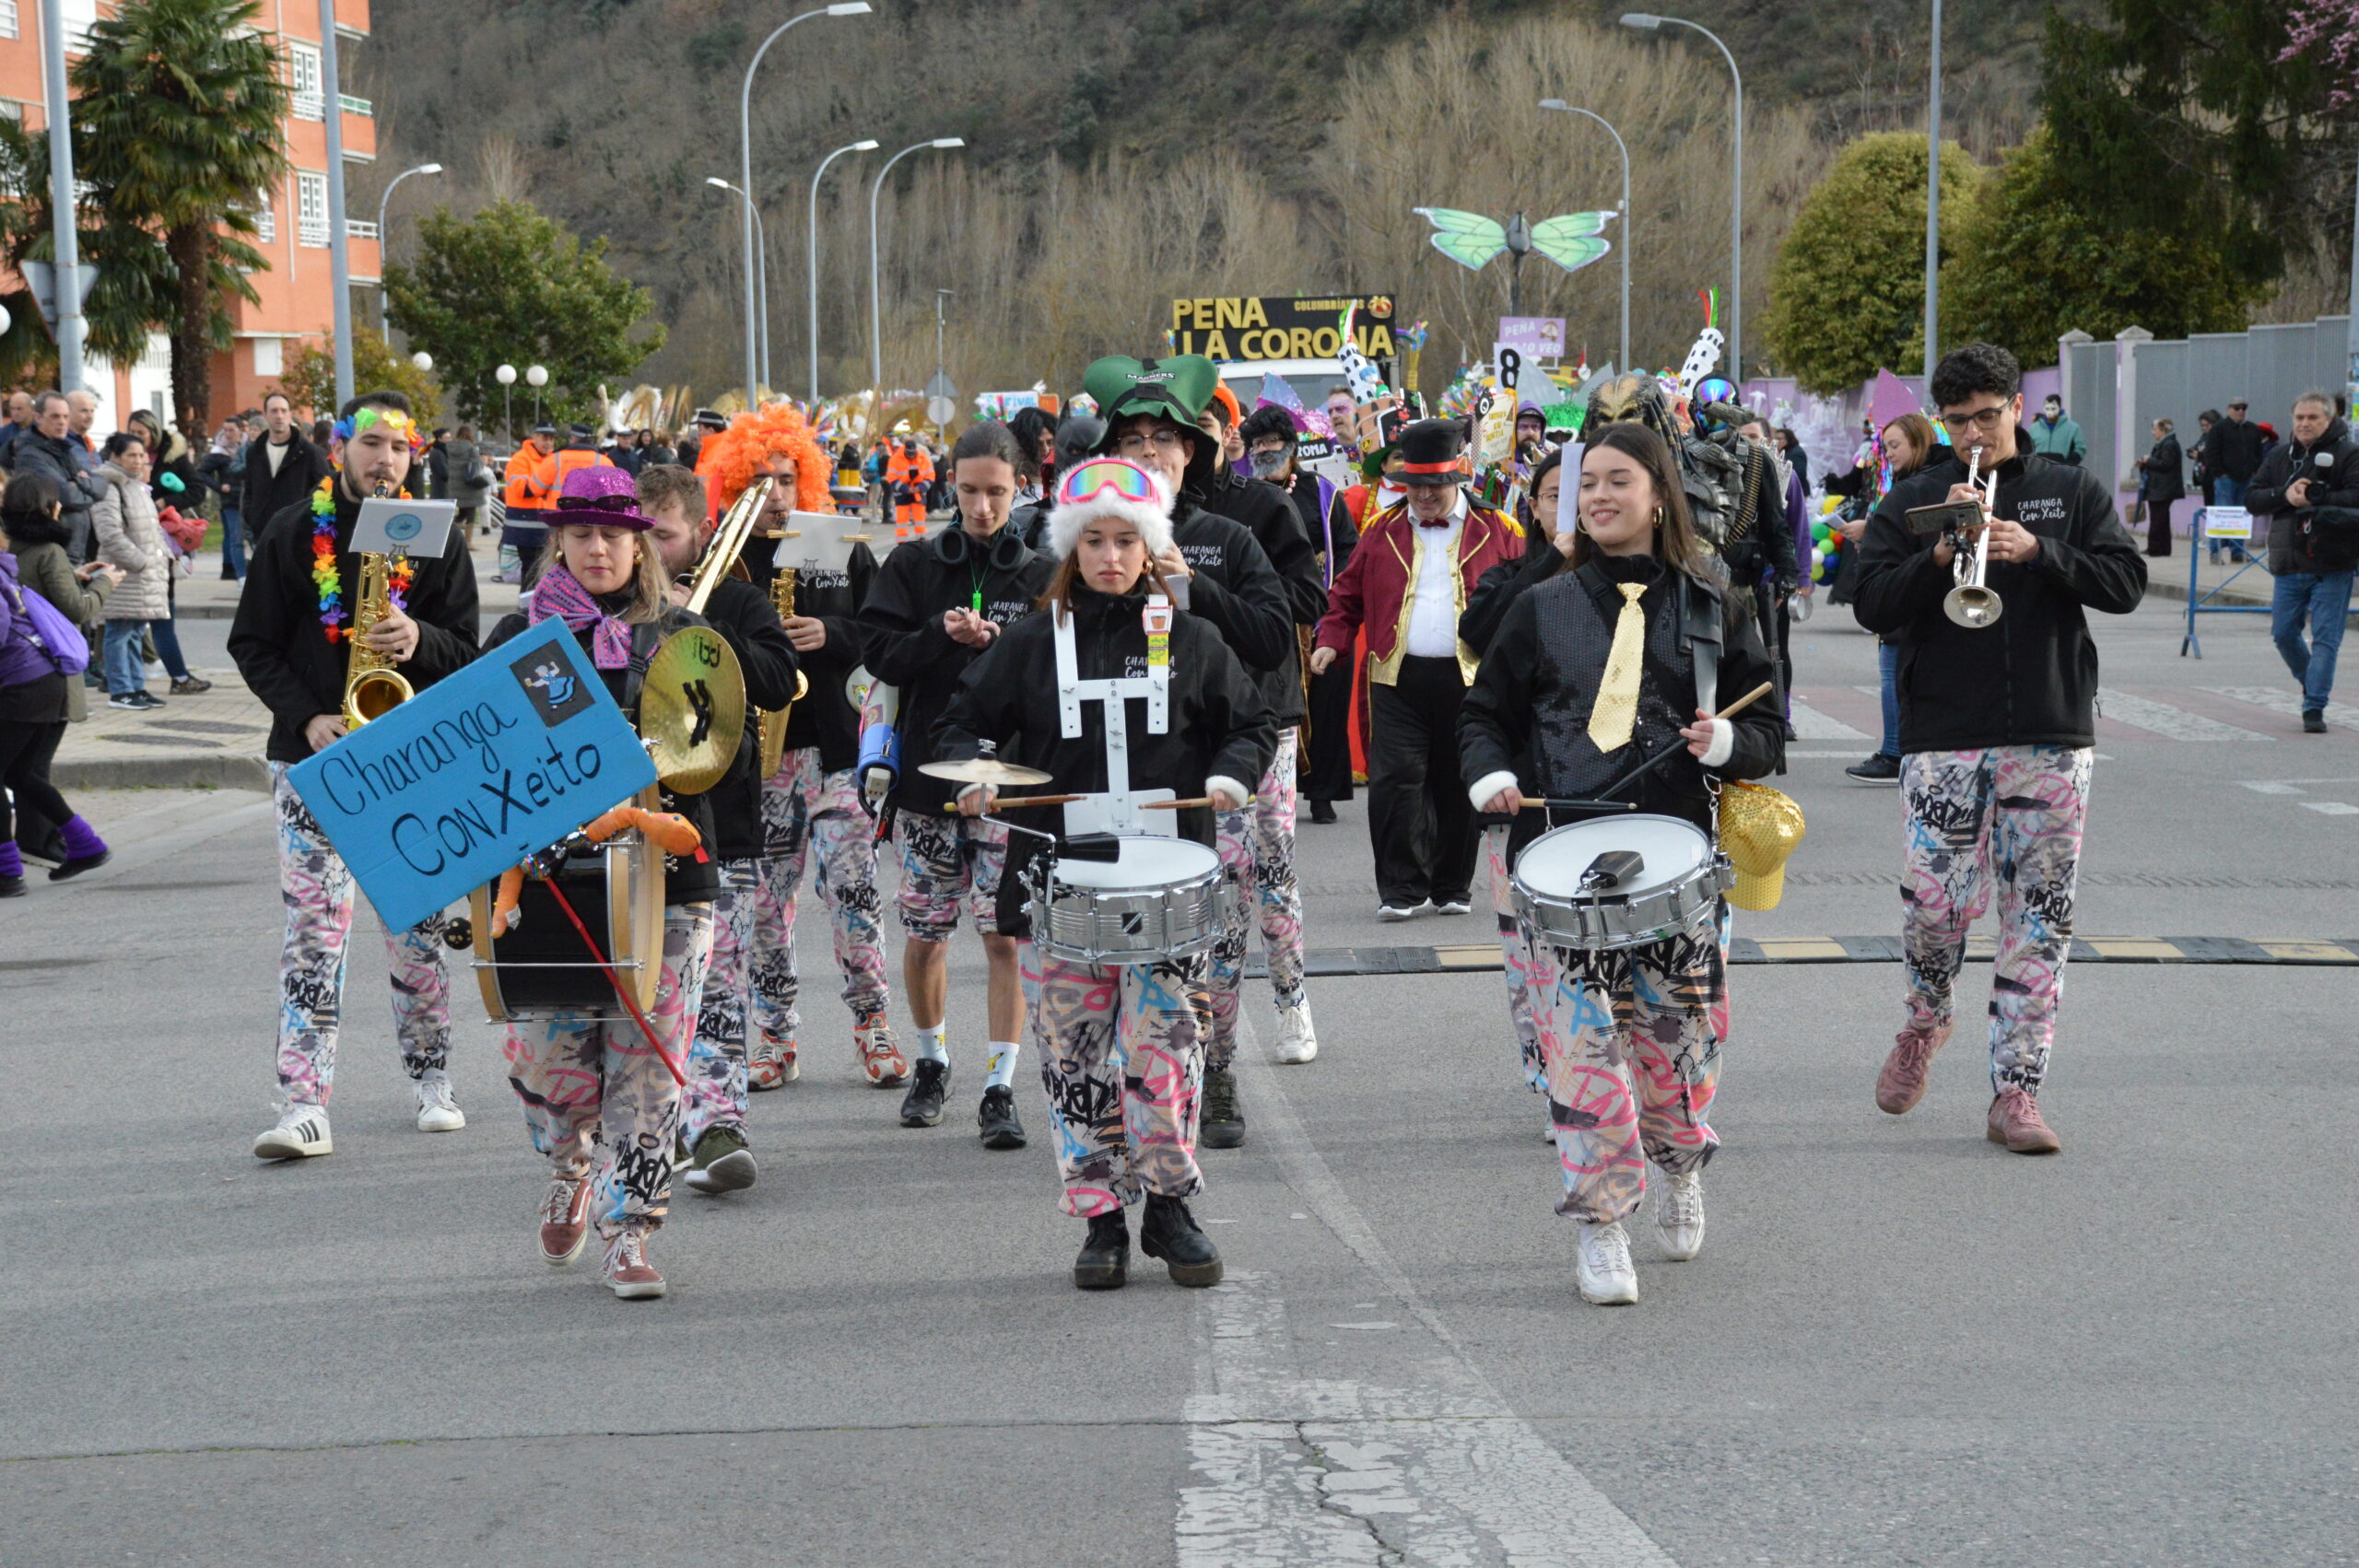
{"type": "Point", "coordinates": [1178, 386]}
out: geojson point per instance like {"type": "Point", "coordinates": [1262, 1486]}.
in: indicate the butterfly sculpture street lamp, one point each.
{"type": "Point", "coordinates": [1472, 240]}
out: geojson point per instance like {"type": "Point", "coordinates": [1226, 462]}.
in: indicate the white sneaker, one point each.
{"type": "Point", "coordinates": [1401, 912]}
{"type": "Point", "coordinates": [302, 1133]}
{"type": "Point", "coordinates": [1681, 1218]}
{"type": "Point", "coordinates": [1453, 908]}
{"type": "Point", "coordinates": [1297, 1041]}
{"type": "Point", "coordinates": [1605, 1272]}
{"type": "Point", "coordinates": [437, 1112]}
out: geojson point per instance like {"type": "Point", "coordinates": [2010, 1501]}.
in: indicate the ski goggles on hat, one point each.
{"type": "Point", "coordinates": [1086, 481]}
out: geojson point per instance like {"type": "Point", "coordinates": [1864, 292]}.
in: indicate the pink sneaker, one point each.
{"type": "Point", "coordinates": [2016, 1122]}
{"type": "Point", "coordinates": [565, 1220]}
{"type": "Point", "coordinates": [880, 1057]}
{"type": "Point", "coordinates": [1902, 1082]}
{"type": "Point", "coordinates": [628, 1274]}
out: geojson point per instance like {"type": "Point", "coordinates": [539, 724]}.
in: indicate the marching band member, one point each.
{"type": "Point", "coordinates": [585, 1082]}
{"type": "Point", "coordinates": [291, 639]}
{"type": "Point", "coordinates": [1152, 409]}
{"type": "Point", "coordinates": [712, 1107]}
{"type": "Point", "coordinates": [1590, 671]}
{"type": "Point", "coordinates": [1122, 1047]}
{"type": "Point", "coordinates": [932, 612]}
{"type": "Point", "coordinates": [812, 803]}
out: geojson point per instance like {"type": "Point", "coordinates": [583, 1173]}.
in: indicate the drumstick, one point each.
{"type": "Point", "coordinates": [1672, 750]}
{"type": "Point", "coordinates": [1010, 803]}
{"type": "Point", "coordinates": [1183, 805]}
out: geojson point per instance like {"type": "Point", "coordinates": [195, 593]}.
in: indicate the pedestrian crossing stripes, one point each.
{"type": "Point", "coordinates": [2336, 951]}
{"type": "Point", "coordinates": [1811, 725]}
{"type": "Point", "coordinates": [2172, 723]}
{"type": "Point", "coordinates": [2286, 703]}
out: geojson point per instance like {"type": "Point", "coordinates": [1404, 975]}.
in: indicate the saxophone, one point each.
{"type": "Point", "coordinates": [371, 686]}
{"type": "Point", "coordinates": [773, 725]}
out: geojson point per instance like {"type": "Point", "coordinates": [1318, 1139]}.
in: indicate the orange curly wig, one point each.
{"type": "Point", "coordinates": [734, 458]}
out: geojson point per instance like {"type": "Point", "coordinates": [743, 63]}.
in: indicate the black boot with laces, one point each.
{"type": "Point", "coordinates": [1104, 1262]}
{"type": "Point", "coordinates": [1222, 1124]}
{"type": "Point", "coordinates": [1170, 1231]}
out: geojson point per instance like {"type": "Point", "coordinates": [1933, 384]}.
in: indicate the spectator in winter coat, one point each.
{"type": "Point", "coordinates": [2159, 486]}
{"type": "Point", "coordinates": [129, 537]}
{"type": "Point", "coordinates": [20, 423]}
{"type": "Point", "coordinates": [471, 477]}
{"type": "Point", "coordinates": [52, 451]}
{"type": "Point", "coordinates": [282, 466]}
{"type": "Point", "coordinates": [2054, 436]}
{"type": "Point", "coordinates": [2312, 561]}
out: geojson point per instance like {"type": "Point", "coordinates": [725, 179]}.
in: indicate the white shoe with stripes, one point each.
{"type": "Point", "coordinates": [301, 1134]}
{"type": "Point", "coordinates": [437, 1111]}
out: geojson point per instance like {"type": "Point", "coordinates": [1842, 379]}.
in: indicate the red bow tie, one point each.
{"type": "Point", "coordinates": [1438, 522]}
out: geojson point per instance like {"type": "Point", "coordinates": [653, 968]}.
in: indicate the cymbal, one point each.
{"type": "Point", "coordinates": [692, 709]}
{"type": "Point", "coordinates": [983, 770]}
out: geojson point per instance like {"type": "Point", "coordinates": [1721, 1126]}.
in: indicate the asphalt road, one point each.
{"type": "Point", "coordinates": [1901, 1345]}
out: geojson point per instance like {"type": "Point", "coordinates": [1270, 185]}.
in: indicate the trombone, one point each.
{"type": "Point", "coordinates": [1972, 603]}
{"type": "Point", "coordinates": [721, 558]}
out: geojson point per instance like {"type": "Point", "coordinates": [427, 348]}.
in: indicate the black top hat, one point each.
{"type": "Point", "coordinates": [1432, 452]}
{"type": "Point", "coordinates": [711, 420]}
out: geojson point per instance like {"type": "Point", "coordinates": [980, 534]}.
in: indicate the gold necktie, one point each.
{"type": "Point", "coordinates": [1616, 713]}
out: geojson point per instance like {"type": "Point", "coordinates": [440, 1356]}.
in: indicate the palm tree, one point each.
{"type": "Point", "coordinates": [177, 124]}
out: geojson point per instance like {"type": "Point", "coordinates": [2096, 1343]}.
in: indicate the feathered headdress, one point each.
{"type": "Point", "coordinates": [735, 458]}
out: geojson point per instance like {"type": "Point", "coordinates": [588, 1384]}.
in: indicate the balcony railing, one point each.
{"type": "Point", "coordinates": [311, 106]}
{"type": "Point", "coordinates": [359, 105]}
{"type": "Point", "coordinates": [359, 229]}
{"type": "Point", "coordinates": [267, 226]}
{"type": "Point", "coordinates": [313, 232]}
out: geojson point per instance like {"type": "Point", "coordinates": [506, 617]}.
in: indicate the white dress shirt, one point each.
{"type": "Point", "coordinates": [1432, 613]}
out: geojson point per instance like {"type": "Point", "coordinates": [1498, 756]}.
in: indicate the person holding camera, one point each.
{"type": "Point", "coordinates": [2306, 487]}
{"type": "Point", "coordinates": [1997, 722]}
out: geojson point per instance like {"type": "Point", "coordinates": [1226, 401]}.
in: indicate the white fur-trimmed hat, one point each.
{"type": "Point", "coordinates": [1109, 486]}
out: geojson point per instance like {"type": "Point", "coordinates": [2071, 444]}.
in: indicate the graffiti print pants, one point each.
{"type": "Point", "coordinates": [1122, 1059]}
{"type": "Point", "coordinates": [585, 1081]}
{"type": "Point", "coordinates": [2008, 817]}
{"type": "Point", "coordinates": [1257, 859]}
{"type": "Point", "coordinates": [806, 810]}
{"type": "Point", "coordinates": [1526, 961]}
{"type": "Point", "coordinates": [947, 862]}
{"type": "Point", "coordinates": [1630, 1050]}
{"type": "Point", "coordinates": [317, 888]}
{"type": "Point", "coordinates": [716, 1067]}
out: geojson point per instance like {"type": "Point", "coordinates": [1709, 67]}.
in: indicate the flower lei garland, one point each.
{"type": "Point", "coordinates": [324, 576]}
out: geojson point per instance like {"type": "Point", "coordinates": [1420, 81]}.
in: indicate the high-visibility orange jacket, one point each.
{"type": "Point", "coordinates": [908, 465]}
{"type": "Point", "coordinates": [549, 478]}
{"type": "Point", "coordinates": [517, 493]}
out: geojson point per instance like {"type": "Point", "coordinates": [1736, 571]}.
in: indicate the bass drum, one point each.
{"type": "Point", "coordinates": [543, 969]}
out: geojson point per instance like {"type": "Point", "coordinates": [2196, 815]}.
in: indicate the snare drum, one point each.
{"type": "Point", "coordinates": [1676, 891]}
{"type": "Point", "coordinates": [543, 967]}
{"type": "Point", "coordinates": [1160, 899]}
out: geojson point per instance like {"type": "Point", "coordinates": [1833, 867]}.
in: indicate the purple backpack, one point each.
{"type": "Point", "coordinates": [42, 625]}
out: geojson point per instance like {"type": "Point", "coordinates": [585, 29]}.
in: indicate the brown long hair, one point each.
{"type": "Point", "coordinates": [1920, 431]}
{"type": "Point", "coordinates": [1674, 529]}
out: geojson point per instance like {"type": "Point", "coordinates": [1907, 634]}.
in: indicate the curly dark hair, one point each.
{"type": "Point", "coordinates": [1027, 427]}
{"type": "Point", "coordinates": [1264, 422]}
{"type": "Point", "coordinates": [1975, 369]}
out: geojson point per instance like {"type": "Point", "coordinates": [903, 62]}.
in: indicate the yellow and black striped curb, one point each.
{"type": "Point", "coordinates": [2330, 952]}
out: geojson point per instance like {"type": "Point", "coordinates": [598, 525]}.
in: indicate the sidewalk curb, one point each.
{"type": "Point", "coordinates": [185, 772]}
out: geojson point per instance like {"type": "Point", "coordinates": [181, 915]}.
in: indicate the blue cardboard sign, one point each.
{"type": "Point", "coordinates": [482, 768]}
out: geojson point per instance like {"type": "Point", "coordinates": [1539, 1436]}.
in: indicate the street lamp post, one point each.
{"type": "Point", "coordinates": [1646, 22]}
{"type": "Point", "coordinates": [63, 209]}
{"type": "Point", "coordinates": [536, 378]}
{"type": "Point", "coordinates": [1561, 106]}
{"type": "Point", "coordinates": [506, 377]}
{"type": "Point", "coordinates": [1933, 203]}
{"type": "Point", "coordinates": [869, 146]}
{"type": "Point", "coordinates": [339, 253]}
{"type": "Point", "coordinates": [386, 197]}
{"type": "Point", "coordinates": [745, 148]}
{"type": "Point", "coordinates": [757, 284]}
{"type": "Point", "coordinates": [875, 296]}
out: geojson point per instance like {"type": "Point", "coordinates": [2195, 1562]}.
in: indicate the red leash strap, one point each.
{"type": "Point", "coordinates": [629, 1000]}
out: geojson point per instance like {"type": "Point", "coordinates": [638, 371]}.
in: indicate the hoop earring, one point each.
{"type": "Point", "coordinates": [1658, 517]}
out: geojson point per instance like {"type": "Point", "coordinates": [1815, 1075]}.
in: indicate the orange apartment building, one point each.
{"type": "Point", "coordinates": [298, 290]}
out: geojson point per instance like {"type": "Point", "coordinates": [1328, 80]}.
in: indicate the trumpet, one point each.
{"type": "Point", "coordinates": [1972, 603]}
{"type": "Point", "coordinates": [372, 687]}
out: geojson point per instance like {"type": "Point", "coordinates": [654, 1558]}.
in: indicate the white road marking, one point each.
{"type": "Point", "coordinates": [2266, 786]}
{"type": "Point", "coordinates": [2286, 703]}
{"type": "Point", "coordinates": [1294, 1470]}
{"type": "Point", "coordinates": [1811, 725]}
{"type": "Point", "coordinates": [2331, 808]}
{"type": "Point", "coordinates": [2174, 723]}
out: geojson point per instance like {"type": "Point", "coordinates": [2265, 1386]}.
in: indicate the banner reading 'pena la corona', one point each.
{"type": "Point", "coordinates": [1275, 327]}
{"type": "Point", "coordinates": [482, 768]}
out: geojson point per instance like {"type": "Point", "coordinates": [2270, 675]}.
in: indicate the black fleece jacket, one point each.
{"type": "Point", "coordinates": [742, 614]}
{"type": "Point", "coordinates": [900, 626]}
{"type": "Point", "coordinates": [282, 650]}
{"type": "Point", "coordinates": [1235, 587]}
{"type": "Point", "coordinates": [2335, 484]}
{"type": "Point", "coordinates": [1219, 721]}
{"type": "Point", "coordinates": [1528, 710]}
{"type": "Point", "coordinates": [2031, 678]}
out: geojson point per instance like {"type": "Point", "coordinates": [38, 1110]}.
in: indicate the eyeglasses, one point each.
{"type": "Point", "coordinates": [1099, 475]}
{"type": "Point", "coordinates": [1133, 444]}
{"type": "Point", "coordinates": [1983, 419]}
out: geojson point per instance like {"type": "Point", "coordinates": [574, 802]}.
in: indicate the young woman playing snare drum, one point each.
{"type": "Point", "coordinates": [585, 1081]}
{"type": "Point", "coordinates": [1590, 675]}
{"type": "Point", "coordinates": [1120, 1054]}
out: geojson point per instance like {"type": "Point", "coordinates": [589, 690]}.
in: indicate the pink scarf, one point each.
{"type": "Point", "coordinates": [560, 593]}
